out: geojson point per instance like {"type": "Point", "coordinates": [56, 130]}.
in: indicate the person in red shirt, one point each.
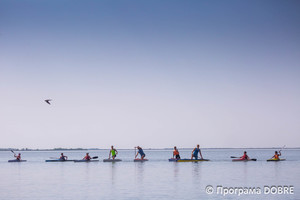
{"type": "Point", "coordinates": [87, 157]}
{"type": "Point", "coordinates": [18, 157]}
{"type": "Point", "coordinates": [245, 156]}
{"type": "Point", "coordinates": [176, 153]}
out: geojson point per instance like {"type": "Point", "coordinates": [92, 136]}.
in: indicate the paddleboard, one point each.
{"type": "Point", "coordinates": [17, 160]}
{"type": "Point", "coordinates": [140, 160]}
{"type": "Point", "coordinates": [276, 160]}
{"type": "Point", "coordinates": [86, 161]}
{"type": "Point", "coordinates": [243, 160]}
{"type": "Point", "coordinates": [112, 160]}
{"type": "Point", "coordinates": [191, 160]}
{"type": "Point", "coordinates": [59, 160]}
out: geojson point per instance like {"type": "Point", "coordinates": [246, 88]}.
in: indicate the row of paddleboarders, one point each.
{"type": "Point", "coordinates": [176, 155]}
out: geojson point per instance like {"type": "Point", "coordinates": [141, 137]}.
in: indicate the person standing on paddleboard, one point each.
{"type": "Point", "coordinates": [87, 157]}
{"type": "Point", "coordinates": [63, 157]}
{"type": "Point", "coordinates": [195, 153]}
{"type": "Point", "coordinates": [113, 152]}
{"type": "Point", "coordinates": [176, 153]}
{"type": "Point", "coordinates": [141, 152]}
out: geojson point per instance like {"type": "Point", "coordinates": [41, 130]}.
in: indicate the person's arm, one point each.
{"type": "Point", "coordinates": [193, 151]}
{"type": "Point", "coordinates": [279, 153]}
{"type": "Point", "coordinates": [136, 154]}
{"type": "Point", "coordinates": [66, 157]}
{"type": "Point", "coordinates": [200, 154]}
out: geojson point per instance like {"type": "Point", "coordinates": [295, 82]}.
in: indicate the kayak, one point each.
{"type": "Point", "coordinates": [112, 160]}
{"type": "Point", "coordinates": [191, 160]}
{"type": "Point", "coordinates": [86, 161]}
{"type": "Point", "coordinates": [17, 160]}
{"type": "Point", "coordinates": [140, 160]}
{"type": "Point", "coordinates": [276, 160]}
{"type": "Point", "coordinates": [59, 160]}
{"type": "Point", "coordinates": [172, 160]}
{"type": "Point", "coordinates": [244, 160]}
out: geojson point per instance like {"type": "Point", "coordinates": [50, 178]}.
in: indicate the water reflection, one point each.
{"type": "Point", "coordinates": [112, 173]}
{"type": "Point", "coordinates": [176, 170]}
{"type": "Point", "coordinates": [196, 172]}
{"type": "Point", "coordinates": [139, 178]}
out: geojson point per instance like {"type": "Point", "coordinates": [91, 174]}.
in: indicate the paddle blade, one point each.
{"type": "Point", "coordinates": [233, 157]}
{"type": "Point", "coordinates": [254, 159]}
{"type": "Point", "coordinates": [95, 157]}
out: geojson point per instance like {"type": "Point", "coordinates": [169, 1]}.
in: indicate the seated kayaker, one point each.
{"type": "Point", "coordinates": [87, 157]}
{"type": "Point", "coordinates": [195, 153]}
{"type": "Point", "coordinates": [245, 156]}
{"type": "Point", "coordinates": [63, 157]}
{"type": "Point", "coordinates": [276, 156]}
{"type": "Point", "coordinates": [18, 157]}
{"type": "Point", "coordinates": [141, 152]}
{"type": "Point", "coordinates": [113, 152]}
{"type": "Point", "coordinates": [176, 153]}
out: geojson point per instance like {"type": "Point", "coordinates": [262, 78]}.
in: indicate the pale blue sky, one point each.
{"type": "Point", "coordinates": [149, 73]}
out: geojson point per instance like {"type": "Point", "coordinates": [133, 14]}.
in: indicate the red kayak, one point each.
{"type": "Point", "coordinates": [244, 160]}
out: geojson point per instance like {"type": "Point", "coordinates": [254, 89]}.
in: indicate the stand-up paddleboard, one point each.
{"type": "Point", "coordinates": [87, 161]}
{"type": "Point", "coordinates": [140, 160]}
{"type": "Point", "coordinates": [243, 160]}
{"type": "Point", "coordinates": [59, 160]}
{"type": "Point", "coordinates": [112, 160]}
{"type": "Point", "coordinates": [191, 160]}
{"type": "Point", "coordinates": [15, 160]}
{"type": "Point", "coordinates": [276, 160]}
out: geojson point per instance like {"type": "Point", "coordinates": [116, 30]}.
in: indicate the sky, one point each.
{"type": "Point", "coordinates": [153, 73]}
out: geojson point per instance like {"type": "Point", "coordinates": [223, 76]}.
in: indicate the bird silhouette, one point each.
{"type": "Point", "coordinates": [48, 101]}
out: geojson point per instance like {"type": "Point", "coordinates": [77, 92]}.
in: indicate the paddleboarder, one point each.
{"type": "Point", "coordinates": [113, 152]}
{"type": "Point", "coordinates": [87, 157]}
{"type": "Point", "coordinates": [63, 157]}
{"type": "Point", "coordinates": [176, 153]}
{"type": "Point", "coordinates": [195, 153]}
{"type": "Point", "coordinates": [141, 152]}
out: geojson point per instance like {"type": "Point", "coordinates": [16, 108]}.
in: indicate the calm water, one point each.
{"type": "Point", "coordinates": [155, 179]}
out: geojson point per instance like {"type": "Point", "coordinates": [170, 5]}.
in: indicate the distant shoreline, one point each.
{"type": "Point", "coordinates": [92, 149]}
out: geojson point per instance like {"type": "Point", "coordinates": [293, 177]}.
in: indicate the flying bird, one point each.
{"type": "Point", "coordinates": [48, 101]}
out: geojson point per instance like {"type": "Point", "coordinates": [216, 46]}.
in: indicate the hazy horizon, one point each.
{"type": "Point", "coordinates": [149, 73]}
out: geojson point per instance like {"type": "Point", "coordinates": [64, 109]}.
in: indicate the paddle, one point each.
{"type": "Point", "coordinates": [281, 148]}
{"type": "Point", "coordinates": [13, 152]}
{"type": "Point", "coordinates": [95, 157]}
